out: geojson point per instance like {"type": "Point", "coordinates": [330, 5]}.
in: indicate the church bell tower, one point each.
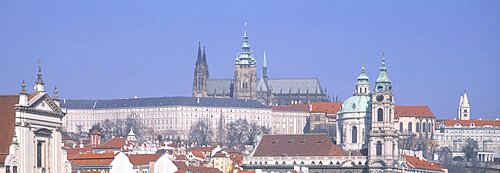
{"type": "Point", "coordinates": [245, 72]}
{"type": "Point", "coordinates": [383, 147]}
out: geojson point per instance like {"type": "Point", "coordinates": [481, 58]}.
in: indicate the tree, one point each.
{"type": "Point", "coordinates": [237, 132]}
{"type": "Point", "coordinates": [96, 126]}
{"type": "Point", "coordinates": [132, 122]}
{"type": "Point", "coordinates": [470, 149]}
{"type": "Point", "coordinates": [201, 133]}
{"type": "Point", "coordinates": [107, 128]}
{"type": "Point", "coordinates": [408, 142]}
{"type": "Point", "coordinates": [119, 128]}
{"type": "Point", "coordinates": [240, 132]}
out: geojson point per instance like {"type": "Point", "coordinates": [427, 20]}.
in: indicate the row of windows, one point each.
{"type": "Point", "coordinates": [426, 127]}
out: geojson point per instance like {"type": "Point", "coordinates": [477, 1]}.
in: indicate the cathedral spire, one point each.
{"type": "Point", "coordinates": [383, 83]}
{"type": "Point", "coordinates": [264, 66]}
{"type": "Point", "coordinates": [205, 64]}
{"type": "Point", "coordinates": [199, 59]}
{"type": "Point", "coordinates": [245, 57]}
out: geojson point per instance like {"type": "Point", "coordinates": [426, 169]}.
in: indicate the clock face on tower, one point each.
{"type": "Point", "coordinates": [380, 98]}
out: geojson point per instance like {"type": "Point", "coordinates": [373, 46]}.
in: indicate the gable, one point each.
{"type": "Point", "coordinates": [43, 103]}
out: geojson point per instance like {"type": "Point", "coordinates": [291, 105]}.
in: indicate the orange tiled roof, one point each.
{"type": "Point", "coordinates": [297, 145]}
{"type": "Point", "coordinates": [325, 107]}
{"type": "Point", "coordinates": [413, 111]}
{"type": "Point", "coordinates": [198, 154]}
{"type": "Point", "coordinates": [468, 122]}
{"type": "Point", "coordinates": [92, 159]}
{"type": "Point", "coordinates": [114, 143]}
{"type": "Point", "coordinates": [181, 157]}
{"type": "Point", "coordinates": [95, 132]}
{"type": "Point", "coordinates": [416, 162]}
{"type": "Point", "coordinates": [143, 159]}
{"type": "Point", "coordinates": [7, 116]}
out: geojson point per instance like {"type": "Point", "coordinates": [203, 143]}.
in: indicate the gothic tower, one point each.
{"type": "Point", "coordinates": [464, 108]}
{"type": "Point", "coordinates": [245, 72]}
{"type": "Point", "coordinates": [383, 147]}
{"type": "Point", "coordinates": [200, 74]}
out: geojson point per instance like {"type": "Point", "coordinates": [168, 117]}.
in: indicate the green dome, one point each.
{"type": "Point", "coordinates": [357, 103]}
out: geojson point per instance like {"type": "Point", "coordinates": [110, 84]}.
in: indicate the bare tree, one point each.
{"type": "Point", "coordinates": [107, 128]}
{"type": "Point", "coordinates": [221, 137]}
{"type": "Point", "coordinates": [470, 149]}
{"type": "Point", "coordinates": [132, 122]}
{"type": "Point", "coordinates": [201, 133]}
{"type": "Point", "coordinates": [237, 133]}
{"type": "Point", "coordinates": [254, 131]}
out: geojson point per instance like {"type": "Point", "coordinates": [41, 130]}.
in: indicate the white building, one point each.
{"type": "Point", "coordinates": [290, 119]}
{"type": "Point", "coordinates": [167, 115]}
{"type": "Point", "coordinates": [30, 135]}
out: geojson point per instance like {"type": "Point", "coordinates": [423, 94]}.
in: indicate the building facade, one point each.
{"type": "Point", "coordinates": [247, 85]}
{"type": "Point", "coordinates": [415, 120]}
{"type": "Point", "coordinates": [30, 139]}
{"type": "Point", "coordinates": [290, 119]}
{"type": "Point", "coordinates": [172, 116]}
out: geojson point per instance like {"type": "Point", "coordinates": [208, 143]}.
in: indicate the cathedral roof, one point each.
{"type": "Point", "coordinates": [356, 103]}
{"type": "Point", "coordinates": [278, 85]}
{"type": "Point", "coordinates": [160, 101]}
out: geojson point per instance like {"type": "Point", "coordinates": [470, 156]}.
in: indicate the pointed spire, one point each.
{"type": "Point", "coordinates": [382, 77]}
{"type": "Point", "coordinates": [39, 79]}
{"type": "Point", "coordinates": [265, 60]}
{"type": "Point", "coordinates": [466, 99]}
{"type": "Point", "coordinates": [199, 58]}
{"type": "Point", "coordinates": [204, 56]}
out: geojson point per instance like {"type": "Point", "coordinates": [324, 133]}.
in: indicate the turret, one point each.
{"type": "Point", "coordinates": [464, 107]}
{"type": "Point", "coordinates": [363, 85]}
{"type": "Point", "coordinates": [39, 84]}
{"type": "Point", "coordinates": [23, 96]}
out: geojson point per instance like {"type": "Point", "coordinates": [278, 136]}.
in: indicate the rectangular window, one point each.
{"type": "Point", "coordinates": [39, 154]}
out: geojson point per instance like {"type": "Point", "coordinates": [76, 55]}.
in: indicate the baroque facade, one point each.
{"type": "Point", "coordinates": [30, 138]}
{"type": "Point", "coordinates": [247, 85]}
{"type": "Point", "coordinates": [367, 138]}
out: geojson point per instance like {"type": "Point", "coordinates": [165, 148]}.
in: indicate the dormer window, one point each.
{"type": "Point", "coordinates": [472, 125]}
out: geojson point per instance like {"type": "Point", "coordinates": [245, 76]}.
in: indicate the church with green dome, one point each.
{"type": "Point", "coordinates": [365, 122]}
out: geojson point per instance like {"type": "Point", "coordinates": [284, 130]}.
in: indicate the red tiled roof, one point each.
{"type": "Point", "coordinates": [413, 111]}
{"type": "Point", "coordinates": [7, 123]}
{"type": "Point", "coordinates": [95, 132]}
{"type": "Point", "coordinates": [204, 149]}
{"type": "Point", "coordinates": [181, 165]}
{"type": "Point", "coordinates": [115, 143]}
{"type": "Point", "coordinates": [92, 159]}
{"type": "Point", "coordinates": [325, 107]}
{"type": "Point", "coordinates": [415, 162]}
{"type": "Point", "coordinates": [297, 145]}
{"type": "Point", "coordinates": [143, 159]}
{"type": "Point", "coordinates": [292, 107]}
{"type": "Point", "coordinates": [181, 157]}
{"type": "Point", "coordinates": [468, 122]}
{"type": "Point", "coordinates": [198, 154]}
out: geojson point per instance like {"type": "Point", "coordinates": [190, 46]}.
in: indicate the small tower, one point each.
{"type": "Point", "coordinates": [131, 135]}
{"type": "Point", "coordinates": [39, 84]}
{"type": "Point", "coordinates": [95, 138]}
{"type": "Point", "coordinates": [200, 74]}
{"type": "Point", "coordinates": [363, 86]}
{"type": "Point", "coordinates": [464, 107]}
{"type": "Point", "coordinates": [245, 72]}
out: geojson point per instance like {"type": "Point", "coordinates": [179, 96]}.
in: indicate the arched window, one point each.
{"type": "Point", "coordinates": [424, 127]}
{"type": "Point", "coordinates": [390, 114]}
{"type": "Point", "coordinates": [401, 127]}
{"type": "Point", "coordinates": [430, 127]}
{"type": "Point", "coordinates": [418, 127]}
{"type": "Point", "coordinates": [379, 148]}
{"type": "Point", "coordinates": [354, 134]}
{"type": "Point", "coordinates": [410, 127]}
{"type": "Point", "coordinates": [380, 114]}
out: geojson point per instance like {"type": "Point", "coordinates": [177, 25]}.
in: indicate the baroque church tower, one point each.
{"type": "Point", "coordinates": [245, 72]}
{"type": "Point", "coordinates": [201, 74]}
{"type": "Point", "coordinates": [464, 108]}
{"type": "Point", "coordinates": [383, 147]}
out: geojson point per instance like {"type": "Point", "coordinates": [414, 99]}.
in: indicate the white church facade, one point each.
{"type": "Point", "coordinates": [30, 138]}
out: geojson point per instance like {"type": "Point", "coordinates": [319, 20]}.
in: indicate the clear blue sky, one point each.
{"type": "Point", "coordinates": [113, 49]}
